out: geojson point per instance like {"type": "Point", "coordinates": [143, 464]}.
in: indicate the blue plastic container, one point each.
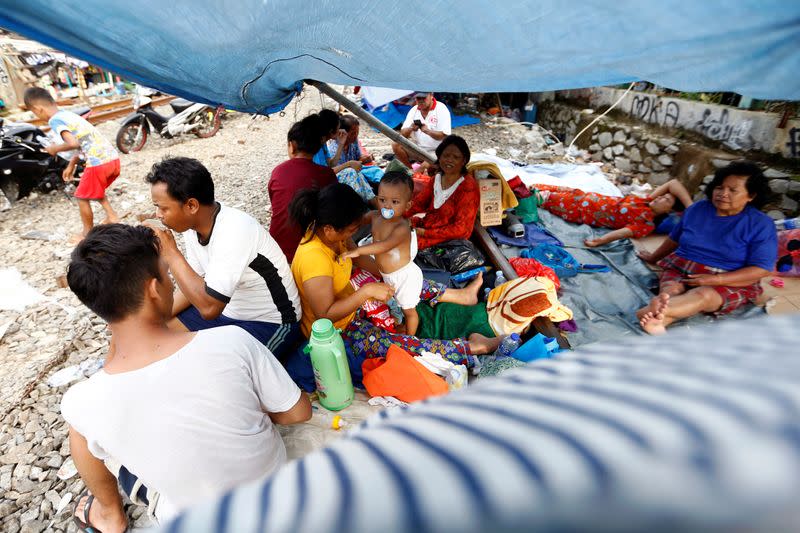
{"type": "Point", "coordinates": [469, 274]}
{"type": "Point", "coordinates": [538, 347]}
{"type": "Point", "coordinates": [530, 113]}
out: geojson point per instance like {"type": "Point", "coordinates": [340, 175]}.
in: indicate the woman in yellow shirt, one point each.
{"type": "Point", "coordinates": [328, 218]}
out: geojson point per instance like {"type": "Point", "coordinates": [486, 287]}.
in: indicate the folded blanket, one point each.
{"type": "Point", "coordinates": [452, 321]}
{"type": "Point", "coordinates": [534, 234]}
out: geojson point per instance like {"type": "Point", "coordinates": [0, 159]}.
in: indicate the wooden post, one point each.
{"type": "Point", "coordinates": [81, 83]}
{"type": "Point", "coordinates": [372, 121]}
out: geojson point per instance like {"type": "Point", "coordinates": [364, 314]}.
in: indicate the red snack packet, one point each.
{"type": "Point", "coordinates": [377, 312]}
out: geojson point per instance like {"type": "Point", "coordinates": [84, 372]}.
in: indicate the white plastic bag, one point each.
{"type": "Point", "coordinates": [454, 375]}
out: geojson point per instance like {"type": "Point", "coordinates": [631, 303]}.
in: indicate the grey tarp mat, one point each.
{"type": "Point", "coordinates": [604, 304]}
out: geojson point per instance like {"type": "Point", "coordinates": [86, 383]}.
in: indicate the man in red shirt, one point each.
{"type": "Point", "coordinates": [299, 172]}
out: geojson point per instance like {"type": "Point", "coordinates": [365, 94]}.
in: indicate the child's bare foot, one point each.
{"type": "Point", "coordinates": [77, 238]}
{"type": "Point", "coordinates": [481, 345]}
{"type": "Point", "coordinates": [111, 220]}
{"type": "Point", "coordinates": [653, 324]}
{"type": "Point", "coordinates": [100, 518]}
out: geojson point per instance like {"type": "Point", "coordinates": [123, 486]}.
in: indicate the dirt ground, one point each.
{"type": "Point", "coordinates": [57, 332]}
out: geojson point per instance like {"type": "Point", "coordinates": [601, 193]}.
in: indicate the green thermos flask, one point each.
{"type": "Point", "coordinates": [331, 370]}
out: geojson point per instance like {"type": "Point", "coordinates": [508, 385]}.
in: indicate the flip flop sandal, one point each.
{"type": "Point", "coordinates": [83, 525]}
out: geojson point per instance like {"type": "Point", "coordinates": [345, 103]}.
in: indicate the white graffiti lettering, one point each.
{"type": "Point", "coordinates": [736, 136]}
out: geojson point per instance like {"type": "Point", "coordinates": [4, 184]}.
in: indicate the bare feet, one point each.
{"type": "Point", "coordinates": [480, 345]}
{"type": "Point", "coordinates": [111, 220]}
{"type": "Point", "coordinates": [77, 238]}
{"type": "Point", "coordinates": [472, 289]}
{"type": "Point", "coordinates": [656, 305]}
{"type": "Point", "coordinates": [466, 296]}
{"type": "Point", "coordinates": [653, 324]}
{"type": "Point", "coordinates": [101, 518]}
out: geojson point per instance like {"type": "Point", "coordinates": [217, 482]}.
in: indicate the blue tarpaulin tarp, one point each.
{"type": "Point", "coordinates": [393, 115]}
{"type": "Point", "coordinates": [252, 55]}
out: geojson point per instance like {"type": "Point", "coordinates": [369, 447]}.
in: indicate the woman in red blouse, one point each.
{"type": "Point", "coordinates": [449, 201]}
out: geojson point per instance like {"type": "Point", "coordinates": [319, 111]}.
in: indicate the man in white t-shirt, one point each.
{"type": "Point", "coordinates": [427, 123]}
{"type": "Point", "coordinates": [234, 273]}
{"type": "Point", "coordinates": [189, 414]}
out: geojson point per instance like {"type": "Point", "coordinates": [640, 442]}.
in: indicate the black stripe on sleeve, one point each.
{"type": "Point", "coordinates": [272, 278]}
{"type": "Point", "coordinates": [219, 296]}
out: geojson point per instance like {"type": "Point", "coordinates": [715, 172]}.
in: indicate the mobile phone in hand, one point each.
{"type": "Point", "coordinates": [418, 123]}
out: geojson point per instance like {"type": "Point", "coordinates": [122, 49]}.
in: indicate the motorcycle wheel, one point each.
{"type": "Point", "coordinates": [14, 190]}
{"type": "Point", "coordinates": [10, 188]}
{"type": "Point", "coordinates": [51, 182]}
{"type": "Point", "coordinates": [127, 136]}
{"type": "Point", "coordinates": [209, 124]}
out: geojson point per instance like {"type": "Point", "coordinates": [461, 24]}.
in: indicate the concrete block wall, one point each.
{"type": "Point", "coordinates": [650, 155]}
{"type": "Point", "coordinates": [736, 129]}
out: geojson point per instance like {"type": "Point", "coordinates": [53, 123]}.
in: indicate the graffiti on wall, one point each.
{"type": "Point", "coordinates": [794, 142]}
{"type": "Point", "coordinates": [724, 130]}
{"type": "Point", "coordinates": [651, 108]}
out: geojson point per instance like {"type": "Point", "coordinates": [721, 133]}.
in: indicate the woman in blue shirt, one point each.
{"type": "Point", "coordinates": [343, 154]}
{"type": "Point", "coordinates": [716, 255]}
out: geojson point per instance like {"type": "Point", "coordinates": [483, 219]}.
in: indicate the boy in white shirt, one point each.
{"type": "Point", "coordinates": [190, 414]}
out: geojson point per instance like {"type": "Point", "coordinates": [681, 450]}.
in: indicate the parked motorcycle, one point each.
{"type": "Point", "coordinates": [25, 166]}
{"type": "Point", "coordinates": [187, 117]}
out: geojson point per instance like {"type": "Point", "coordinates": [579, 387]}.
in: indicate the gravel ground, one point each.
{"type": "Point", "coordinates": [58, 332]}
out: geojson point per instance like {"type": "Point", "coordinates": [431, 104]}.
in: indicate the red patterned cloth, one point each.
{"type": "Point", "coordinates": [677, 268]}
{"type": "Point", "coordinates": [574, 205]}
{"type": "Point", "coordinates": [453, 220]}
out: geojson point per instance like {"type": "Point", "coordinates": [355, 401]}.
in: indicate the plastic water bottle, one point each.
{"type": "Point", "coordinates": [788, 223]}
{"type": "Point", "coordinates": [508, 346]}
{"type": "Point", "coordinates": [499, 279]}
{"type": "Point", "coordinates": [331, 369]}
{"type": "Point", "coordinates": [469, 274]}
{"type": "Point", "coordinates": [327, 420]}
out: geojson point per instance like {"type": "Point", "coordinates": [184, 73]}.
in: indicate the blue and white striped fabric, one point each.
{"type": "Point", "coordinates": [699, 429]}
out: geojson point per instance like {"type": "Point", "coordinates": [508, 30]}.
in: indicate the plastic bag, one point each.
{"type": "Point", "coordinates": [453, 256]}
{"type": "Point", "coordinates": [788, 263]}
{"type": "Point", "coordinates": [377, 312]}
{"type": "Point", "coordinates": [530, 268]}
{"type": "Point", "coordinates": [560, 260]}
{"type": "Point", "coordinates": [401, 376]}
{"type": "Point", "coordinates": [455, 375]}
